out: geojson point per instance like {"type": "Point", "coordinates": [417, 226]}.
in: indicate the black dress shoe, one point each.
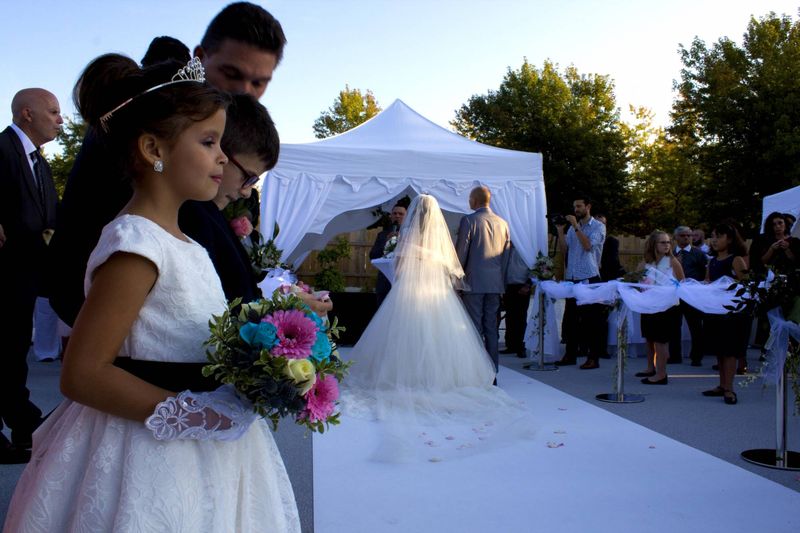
{"type": "Point", "coordinates": [590, 364]}
{"type": "Point", "coordinates": [714, 367]}
{"type": "Point", "coordinates": [522, 355]}
{"type": "Point", "coordinates": [645, 374]}
{"type": "Point", "coordinates": [506, 351]}
{"type": "Point", "coordinates": [566, 361]}
{"type": "Point", "coordinates": [697, 363]}
{"type": "Point", "coordinates": [674, 361]}
{"type": "Point", "coordinates": [662, 381]}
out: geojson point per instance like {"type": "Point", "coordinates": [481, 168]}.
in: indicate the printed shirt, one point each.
{"type": "Point", "coordinates": [581, 264]}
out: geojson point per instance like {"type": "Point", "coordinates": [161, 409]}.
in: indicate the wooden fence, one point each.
{"type": "Point", "coordinates": [359, 272]}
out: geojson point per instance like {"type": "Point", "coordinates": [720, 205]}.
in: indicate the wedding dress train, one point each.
{"type": "Point", "coordinates": [420, 368]}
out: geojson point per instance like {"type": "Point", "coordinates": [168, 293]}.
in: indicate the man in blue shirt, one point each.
{"type": "Point", "coordinates": [583, 326]}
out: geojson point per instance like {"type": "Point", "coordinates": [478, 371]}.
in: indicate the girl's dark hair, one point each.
{"type": "Point", "coordinates": [112, 79]}
{"type": "Point", "coordinates": [249, 130]}
{"type": "Point", "coordinates": [768, 231]}
{"type": "Point", "coordinates": [737, 246]}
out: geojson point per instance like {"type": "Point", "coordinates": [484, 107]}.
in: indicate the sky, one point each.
{"type": "Point", "coordinates": [431, 54]}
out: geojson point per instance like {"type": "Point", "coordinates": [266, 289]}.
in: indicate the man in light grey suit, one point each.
{"type": "Point", "coordinates": [483, 248]}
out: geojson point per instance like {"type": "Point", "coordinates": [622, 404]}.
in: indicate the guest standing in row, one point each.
{"type": "Point", "coordinates": [657, 328]}
{"type": "Point", "coordinates": [726, 334]}
{"type": "Point", "coordinates": [694, 262]}
{"type": "Point", "coordinates": [582, 245]}
{"type": "Point", "coordinates": [515, 302]}
{"type": "Point", "coordinates": [28, 201]}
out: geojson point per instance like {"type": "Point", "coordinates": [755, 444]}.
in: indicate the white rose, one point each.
{"type": "Point", "coordinates": [302, 372]}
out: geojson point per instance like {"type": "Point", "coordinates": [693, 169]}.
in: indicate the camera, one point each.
{"type": "Point", "coordinates": [556, 220]}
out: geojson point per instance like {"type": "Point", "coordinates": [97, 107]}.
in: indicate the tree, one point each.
{"type": "Point", "coordinates": [663, 182]}
{"type": "Point", "coordinates": [572, 119]}
{"type": "Point", "coordinates": [737, 115]}
{"type": "Point", "coordinates": [70, 138]}
{"type": "Point", "coordinates": [350, 109]}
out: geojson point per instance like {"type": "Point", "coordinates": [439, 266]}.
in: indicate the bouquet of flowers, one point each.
{"type": "Point", "coordinates": [281, 356]}
{"type": "Point", "coordinates": [543, 267]}
{"type": "Point", "coordinates": [388, 248]}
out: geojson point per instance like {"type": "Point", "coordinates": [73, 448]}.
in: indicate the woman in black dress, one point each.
{"type": "Point", "coordinates": [727, 334]}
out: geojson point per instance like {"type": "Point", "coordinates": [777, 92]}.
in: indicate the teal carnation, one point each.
{"type": "Point", "coordinates": [261, 335]}
{"type": "Point", "coordinates": [322, 348]}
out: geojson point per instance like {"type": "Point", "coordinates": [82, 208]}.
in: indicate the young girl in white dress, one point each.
{"type": "Point", "coordinates": [121, 454]}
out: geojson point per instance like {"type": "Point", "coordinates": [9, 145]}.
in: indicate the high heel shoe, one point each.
{"type": "Point", "coordinates": [716, 391]}
{"type": "Point", "coordinates": [732, 399]}
{"type": "Point", "coordinates": [662, 381]}
{"type": "Point", "coordinates": [645, 374]}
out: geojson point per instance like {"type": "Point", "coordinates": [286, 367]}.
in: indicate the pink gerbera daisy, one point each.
{"type": "Point", "coordinates": [321, 399]}
{"type": "Point", "coordinates": [296, 333]}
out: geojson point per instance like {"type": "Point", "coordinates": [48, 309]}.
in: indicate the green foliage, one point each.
{"type": "Point", "coordinates": [737, 115]}
{"type": "Point", "coordinates": [351, 108]}
{"type": "Point", "coordinates": [571, 118]}
{"type": "Point", "coordinates": [71, 139]}
{"type": "Point", "coordinates": [330, 277]}
{"type": "Point", "coordinates": [663, 182]}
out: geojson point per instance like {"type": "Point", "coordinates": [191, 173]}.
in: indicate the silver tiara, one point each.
{"type": "Point", "coordinates": [193, 71]}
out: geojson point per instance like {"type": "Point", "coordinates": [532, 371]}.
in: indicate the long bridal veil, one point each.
{"type": "Point", "coordinates": [420, 367]}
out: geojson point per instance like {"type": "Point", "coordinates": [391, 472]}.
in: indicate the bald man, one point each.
{"type": "Point", "coordinates": [483, 248]}
{"type": "Point", "coordinates": [27, 217]}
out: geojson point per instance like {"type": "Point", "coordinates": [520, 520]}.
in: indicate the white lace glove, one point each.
{"type": "Point", "coordinates": [216, 415]}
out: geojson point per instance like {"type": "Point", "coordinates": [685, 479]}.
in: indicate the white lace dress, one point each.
{"type": "Point", "coordinates": [94, 472]}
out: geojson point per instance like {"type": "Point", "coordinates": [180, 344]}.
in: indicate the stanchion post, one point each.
{"type": "Point", "coordinates": [542, 365]}
{"type": "Point", "coordinates": [622, 347]}
{"type": "Point", "coordinates": [780, 458]}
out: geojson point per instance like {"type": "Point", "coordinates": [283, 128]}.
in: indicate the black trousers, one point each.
{"type": "Point", "coordinates": [585, 327]}
{"type": "Point", "coordinates": [16, 328]}
{"type": "Point", "coordinates": [516, 306]}
{"type": "Point", "coordinates": [694, 319]}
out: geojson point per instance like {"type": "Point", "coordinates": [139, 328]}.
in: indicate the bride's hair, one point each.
{"type": "Point", "coordinates": [425, 247]}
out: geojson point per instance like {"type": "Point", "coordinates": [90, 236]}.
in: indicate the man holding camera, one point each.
{"type": "Point", "coordinates": [583, 326]}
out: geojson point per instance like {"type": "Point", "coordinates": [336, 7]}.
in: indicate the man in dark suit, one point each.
{"type": "Point", "coordinates": [383, 285]}
{"type": "Point", "coordinates": [610, 267]}
{"type": "Point", "coordinates": [694, 262]}
{"type": "Point", "coordinates": [28, 201]}
{"type": "Point", "coordinates": [483, 248]}
{"type": "Point", "coordinates": [240, 50]}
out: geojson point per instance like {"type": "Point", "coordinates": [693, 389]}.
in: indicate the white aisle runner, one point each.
{"type": "Point", "coordinates": [587, 470]}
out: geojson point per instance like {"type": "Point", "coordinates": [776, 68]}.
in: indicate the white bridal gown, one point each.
{"type": "Point", "coordinates": [93, 472]}
{"type": "Point", "coordinates": [420, 368]}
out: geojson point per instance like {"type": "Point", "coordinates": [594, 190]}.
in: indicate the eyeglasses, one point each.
{"type": "Point", "coordinates": [248, 179]}
{"type": "Point", "coordinates": [663, 242]}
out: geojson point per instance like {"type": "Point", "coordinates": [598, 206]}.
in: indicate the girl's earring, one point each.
{"type": "Point", "coordinates": [158, 166]}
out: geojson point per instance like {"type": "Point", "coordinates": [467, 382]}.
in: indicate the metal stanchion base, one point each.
{"type": "Point", "coordinates": [616, 397]}
{"type": "Point", "coordinates": [540, 367]}
{"type": "Point", "coordinates": [767, 458]}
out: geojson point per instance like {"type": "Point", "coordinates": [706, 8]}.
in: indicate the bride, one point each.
{"type": "Point", "coordinates": [420, 367]}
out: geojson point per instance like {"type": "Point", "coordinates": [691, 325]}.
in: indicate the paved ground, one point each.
{"type": "Point", "coordinates": [679, 411]}
{"type": "Point", "coordinates": [676, 410]}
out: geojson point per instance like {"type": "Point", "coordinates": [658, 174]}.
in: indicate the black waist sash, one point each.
{"type": "Point", "coordinates": [176, 377]}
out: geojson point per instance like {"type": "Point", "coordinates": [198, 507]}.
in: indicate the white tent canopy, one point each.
{"type": "Point", "coordinates": [320, 189]}
{"type": "Point", "coordinates": [787, 201]}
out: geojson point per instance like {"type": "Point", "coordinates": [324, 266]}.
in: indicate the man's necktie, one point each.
{"type": "Point", "coordinates": [38, 173]}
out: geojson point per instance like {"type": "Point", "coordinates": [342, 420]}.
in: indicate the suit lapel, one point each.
{"type": "Point", "coordinates": [25, 167]}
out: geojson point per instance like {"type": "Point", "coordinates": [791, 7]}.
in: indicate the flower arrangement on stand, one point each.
{"type": "Point", "coordinates": [543, 268]}
{"type": "Point", "coordinates": [778, 295]}
{"type": "Point", "coordinates": [281, 356]}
